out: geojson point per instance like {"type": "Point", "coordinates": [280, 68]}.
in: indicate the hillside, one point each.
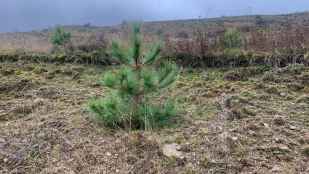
{"type": "Point", "coordinates": [236, 113]}
{"type": "Point", "coordinates": [38, 41]}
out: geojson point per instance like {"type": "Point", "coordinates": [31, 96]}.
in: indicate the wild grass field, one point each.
{"type": "Point", "coordinates": [242, 96]}
{"type": "Point", "coordinates": [231, 120]}
{"type": "Point", "coordinates": [196, 37]}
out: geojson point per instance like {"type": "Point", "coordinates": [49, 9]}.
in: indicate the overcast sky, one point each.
{"type": "Point", "coordinates": [24, 15]}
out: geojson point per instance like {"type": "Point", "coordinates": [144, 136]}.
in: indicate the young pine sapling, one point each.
{"type": "Point", "coordinates": [130, 103]}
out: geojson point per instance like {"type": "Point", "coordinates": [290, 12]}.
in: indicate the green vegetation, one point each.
{"type": "Point", "coordinates": [232, 39]}
{"type": "Point", "coordinates": [60, 38]}
{"type": "Point", "coordinates": [129, 105]}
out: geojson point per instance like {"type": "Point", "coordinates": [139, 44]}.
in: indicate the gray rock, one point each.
{"type": "Point", "coordinates": [172, 151]}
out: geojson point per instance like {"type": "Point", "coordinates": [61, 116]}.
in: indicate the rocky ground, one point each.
{"type": "Point", "coordinates": [245, 120]}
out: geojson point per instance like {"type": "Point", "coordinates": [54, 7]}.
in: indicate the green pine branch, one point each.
{"type": "Point", "coordinates": [130, 106]}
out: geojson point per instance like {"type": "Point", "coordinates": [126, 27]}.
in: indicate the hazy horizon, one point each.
{"type": "Point", "coordinates": [22, 15]}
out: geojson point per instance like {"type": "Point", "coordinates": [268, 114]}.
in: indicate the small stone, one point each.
{"type": "Point", "coordinates": [108, 154]}
{"type": "Point", "coordinates": [172, 150]}
{"type": "Point", "coordinates": [5, 160]}
{"type": "Point", "coordinates": [266, 125]}
{"type": "Point", "coordinates": [95, 84]}
{"type": "Point", "coordinates": [283, 148]}
{"type": "Point", "coordinates": [278, 140]}
{"type": "Point", "coordinates": [234, 138]}
{"type": "Point", "coordinates": [293, 127]}
{"type": "Point", "coordinates": [283, 94]}
{"type": "Point", "coordinates": [251, 132]}
{"type": "Point", "coordinates": [276, 168]}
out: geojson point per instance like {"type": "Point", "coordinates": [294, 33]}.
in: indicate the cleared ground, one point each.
{"type": "Point", "coordinates": [243, 120]}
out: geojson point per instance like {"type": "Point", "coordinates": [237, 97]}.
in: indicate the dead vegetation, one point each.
{"type": "Point", "coordinates": [246, 113]}
{"type": "Point", "coordinates": [243, 125]}
{"type": "Point", "coordinates": [200, 38]}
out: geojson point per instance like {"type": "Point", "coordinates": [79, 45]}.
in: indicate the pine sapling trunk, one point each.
{"type": "Point", "coordinates": [139, 96]}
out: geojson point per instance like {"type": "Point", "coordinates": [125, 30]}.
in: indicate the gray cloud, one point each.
{"type": "Point", "coordinates": [22, 15]}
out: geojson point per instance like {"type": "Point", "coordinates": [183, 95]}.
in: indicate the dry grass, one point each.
{"type": "Point", "coordinates": [280, 33]}
{"type": "Point", "coordinates": [227, 126]}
